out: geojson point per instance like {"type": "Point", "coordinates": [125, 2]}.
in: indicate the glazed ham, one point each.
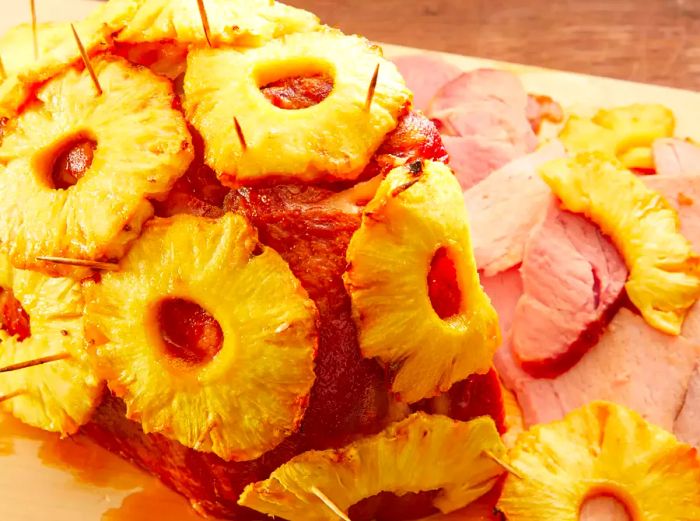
{"type": "Point", "coordinates": [573, 279]}
{"type": "Point", "coordinates": [485, 112]}
{"type": "Point", "coordinates": [687, 426]}
{"type": "Point", "coordinates": [504, 289]}
{"type": "Point", "coordinates": [504, 207]}
{"type": "Point", "coordinates": [425, 74]}
{"type": "Point", "coordinates": [676, 157]}
{"type": "Point", "coordinates": [620, 368]}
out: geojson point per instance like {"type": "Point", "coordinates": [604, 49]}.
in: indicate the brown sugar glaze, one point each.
{"type": "Point", "coordinates": [350, 397]}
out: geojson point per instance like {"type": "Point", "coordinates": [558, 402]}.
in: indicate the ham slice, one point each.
{"type": "Point", "coordinates": [676, 157]}
{"type": "Point", "coordinates": [504, 289]}
{"type": "Point", "coordinates": [504, 207]}
{"type": "Point", "coordinates": [425, 74]}
{"type": "Point", "coordinates": [603, 508]}
{"type": "Point", "coordinates": [573, 278]}
{"type": "Point", "coordinates": [620, 368]}
{"type": "Point", "coordinates": [486, 112]}
{"type": "Point", "coordinates": [687, 426]}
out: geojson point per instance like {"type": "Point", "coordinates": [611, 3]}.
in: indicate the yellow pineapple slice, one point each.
{"type": "Point", "coordinates": [386, 462]}
{"type": "Point", "coordinates": [231, 22]}
{"type": "Point", "coordinates": [240, 401]}
{"type": "Point", "coordinates": [17, 44]}
{"type": "Point", "coordinates": [418, 211]}
{"type": "Point", "coordinates": [143, 146]}
{"type": "Point", "coordinates": [335, 138]}
{"type": "Point", "coordinates": [59, 396]}
{"type": "Point", "coordinates": [601, 449]}
{"type": "Point", "coordinates": [95, 32]}
{"type": "Point", "coordinates": [625, 132]}
{"type": "Point", "coordinates": [664, 279]}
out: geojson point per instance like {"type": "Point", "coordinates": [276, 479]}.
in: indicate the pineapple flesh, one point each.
{"type": "Point", "coordinates": [95, 33]}
{"type": "Point", "coordinates": [17, 44]}
{"type": "Point", "coordinates": [59, 396]}
{"type": "Point", "coordinates": [664, 279]}
{"type": "Point", "coordinates": [335, 138]}
{"type": "Point", "coordinates": [601, 449]}
{"type": "Point", "coordinates": [143, 146]}
{"type": "Point", "coordinates": [418, 210]}
{"type": "Point", "coordinates": [386, 462]}
{"type": "Point", "coordinates": [253, 393]}
{"type": "Point", "coordinates": [232, 22]}
{"type": "Point", "coordinates": [623, 132]}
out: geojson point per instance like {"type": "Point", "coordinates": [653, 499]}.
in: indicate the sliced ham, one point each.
{"type": "Point", "coordinates": [425, 74]}
{"type": "Point", "coordinates": [682, 191]}
{"type": "Point", "coordinates": [542, 108]}
{"type": "Point", "coordinates": [676, 157]}
{"type": "Point", "coordinates": [504, 289]}
{"type": "Point", "coordinates": [504, 207]}
{"type": "Point", "coordinates": [573, 278]}
{"type": "Point", "coordinates": [603, 508]}
{"type": "Point", "coordinates": [473, 158]}
{"type": "Point", "coordinates": [486, 111]}
{"type": "Point", "coordinates": [687, 426]}
{"type": "Point", "coordinates": [632, 364]}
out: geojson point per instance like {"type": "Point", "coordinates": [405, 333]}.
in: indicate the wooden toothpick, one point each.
{"type": "Point", "coordinates": [4, 398]}
{"type": "Point", "coordinates": [331, 506]}
{"type": "Point", "coordinates": [205, 21]}
{"type": "Point", "coordinates": [35, 362]}
{"type": "Point", "coordinates": [86, 61]}
{"type": "Point", "coordinates": [506, 466]}
{"type": "Point", "coordinates": [372, 88]}
{"type": "Point", "coordinates": [241, 136]}
{"type": "Point", "coordinates": [32, 5]}
{"type": "Point", "coordinates": [83, 263]}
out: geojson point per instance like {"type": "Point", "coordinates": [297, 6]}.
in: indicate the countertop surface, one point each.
{"type": "Point", "coordinates": [650, 41]}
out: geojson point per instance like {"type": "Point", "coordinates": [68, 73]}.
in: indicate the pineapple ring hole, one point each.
{"type": "Point", "coordinates": [13, 318]}
{"type": "Point", "coordinates": [608, 503]}
{"type": "Point", "coordinates": [296, 85]}
{"type": "Point", "coordinates": [443, 287]}
{"type": "Point", "coordinates": [190, 334]}
{"type": "Point", "coordinates": [65, 162]}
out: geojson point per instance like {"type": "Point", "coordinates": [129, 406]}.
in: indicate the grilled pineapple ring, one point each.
{"type": "Point", "coordinates": [601, 448]}
{"type": "Point", "coordinates": [386, 462]}
{"type": "Point", "coordinates": [253, 393]}
{"type": "Point", "coordinates": [415, 213]}
{"type": "Point", "coordinates": [664, 279]}
{"type": "Point", "coordinates": [335, 138]}
{"type": "Point", "coordinates": [232, 22]}
{"type": "Point", "coordinates": [143, 146]}
{"type": "Point", "coordinates": [59, 396]}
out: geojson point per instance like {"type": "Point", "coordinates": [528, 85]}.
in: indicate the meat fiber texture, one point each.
{"type": "Point", "coordinates": [676, 157]}
{"type": "Point", "coordinates": [573, 277]}
{"type": "Point", "coordinates": [506, 206]}
{"type": "Point", "coordinates": [482, 114]}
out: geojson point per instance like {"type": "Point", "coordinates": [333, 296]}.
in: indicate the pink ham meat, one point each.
{"type": "Point", "coordinates": [485, 113]}
{"type": "Point", "coordinates": [504, 289]}
{"type": "Point", "coordinates": [603, 508]}
{"type": "Point", "coordinates": [687, 425]}
{"type": "Point", "coordinates": [504, 207]}
{"type": "Point", "coordinates": [573, 279]}
{"type": "Point", "coordinates": [632, 364]}
{"type": "Point", "coordinates": [425, 74]}
{"type": "Point", "coordinates": [676, 157]}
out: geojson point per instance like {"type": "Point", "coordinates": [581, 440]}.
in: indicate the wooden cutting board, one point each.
{"type": "Point", "coordinates": [43, 478]}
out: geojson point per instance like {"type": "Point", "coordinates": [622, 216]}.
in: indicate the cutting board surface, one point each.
{"type": "Point", "coordinates": [44, 478]}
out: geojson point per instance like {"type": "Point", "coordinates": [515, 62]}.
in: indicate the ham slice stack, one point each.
{"type": "Point", "coordinates": [570, 336]}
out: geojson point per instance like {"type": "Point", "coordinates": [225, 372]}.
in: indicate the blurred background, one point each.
{"type": "Point", "coordinates": [653, 41]}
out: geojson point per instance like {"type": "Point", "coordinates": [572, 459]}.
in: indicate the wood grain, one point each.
{"type": "Point", "coordinates": [649, 41]}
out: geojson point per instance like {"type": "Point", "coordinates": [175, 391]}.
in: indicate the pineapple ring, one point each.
{"type": "Point", "coordinates": [143, 146]}
{"type": "Point", "coordinates": [336, 138]}
{"type": "Point", "coordinates": [416, 212]}
{"type": "Point", "coordinates": [232, 22]}
{"type": "Point", "coordinates": [386, 462]}
{"type": "Point", "coordinates": [601, 448]}
{"type": "Point", "coordinates": [59, 396]}
{"type": "Point", "coordinates": [253, 393]}
{"type": "Point", "coordinates": [17, 45]}
{"type": "Point", "coordinates": [61, 51]}
{"type": "Point", "coordinates": [664, 279]}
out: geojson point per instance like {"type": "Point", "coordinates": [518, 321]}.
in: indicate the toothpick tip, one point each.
{"type": "Point", "coordinates": [86, 60]}
{"type": "Point", "coordinates": [239, 131]}
{"type": "Point", "coordinates": [331, 506]}
{"type": "Point", "coordinates": [83, 263]}
{"type": "Point", "coordinates": [372, 88]}
{"type": "Point", "coordinates": [205, 21]}
{"type": "Point", "coordinates": [35, 362]}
